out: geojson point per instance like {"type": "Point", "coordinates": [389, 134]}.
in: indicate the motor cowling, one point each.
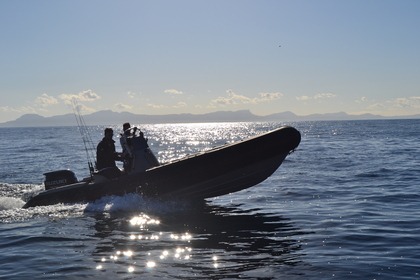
{"type": "Point", "coordinates": [59, 178]}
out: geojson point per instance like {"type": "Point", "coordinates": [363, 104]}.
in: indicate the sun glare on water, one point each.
{"type": "Point", "coordinates": [173, 247]}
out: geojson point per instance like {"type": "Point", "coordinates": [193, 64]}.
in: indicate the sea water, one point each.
{"type": "Point", "coordinates": [344, 205]}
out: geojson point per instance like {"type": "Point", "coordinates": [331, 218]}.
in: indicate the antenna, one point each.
{"type": "Point", "coordinates": [87, 140]}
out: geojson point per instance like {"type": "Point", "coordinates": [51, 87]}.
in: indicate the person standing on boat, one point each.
{"type": "Point", "coordinates": [105, 151]}
{"type": "Point", "coordinates": [136, 155]}
{"type": "Point", "coordinates": [127, 149]}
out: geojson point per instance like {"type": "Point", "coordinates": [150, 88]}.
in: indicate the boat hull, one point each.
{"type": "Point", "coordinates": [220, 171]}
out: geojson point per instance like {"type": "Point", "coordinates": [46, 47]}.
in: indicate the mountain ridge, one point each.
{"type": "Point", "coordinates": [109, 117]}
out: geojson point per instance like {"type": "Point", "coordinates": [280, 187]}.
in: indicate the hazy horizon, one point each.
{"type": "Point", "coordinates": [110, 117]}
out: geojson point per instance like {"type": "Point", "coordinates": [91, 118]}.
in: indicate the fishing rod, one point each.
{"type": "Point", "coordinates": [87, 140]}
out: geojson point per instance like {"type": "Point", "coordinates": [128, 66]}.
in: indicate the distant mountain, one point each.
{"type": "Point", "coordinates": [340, 116]}
{"type": "Point", "coordinates": [284, 116]}
{"type": "Point", "coordinates": [108, 117]}
{"type": "Point", "coordinates": [28, 120]}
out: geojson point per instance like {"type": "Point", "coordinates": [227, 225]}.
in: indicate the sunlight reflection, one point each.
{"type": "Point", "coordinates": [215, 264]}
{"type": "Point", "coordinates": [128, 253]}
{"type": "Point", "coordinates": [150, 264]}
{"type": "Point", "coordinates": [164, 254]}
{"type": "Point", "coordinates": [129, 256]}
{"type": "Point", "coordinates": [154, 237]}
{"type": "Point", "coordinates": [182, 253]}
{"type": "Point", "coordinates": [185, 237]}
{"type": "Point", "coordinates": [143, 220]}
{"type": "Point", "coordinates": [181, 140]}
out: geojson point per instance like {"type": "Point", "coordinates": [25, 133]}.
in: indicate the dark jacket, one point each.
{"type": "Point", "coordinates": [105, 154]}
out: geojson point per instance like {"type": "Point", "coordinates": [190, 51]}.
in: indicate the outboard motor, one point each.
{"type": "Point", "coordinates": [59, 178]}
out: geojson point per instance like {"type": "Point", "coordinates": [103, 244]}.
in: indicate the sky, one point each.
{"type": "Point", "coordinates": [194, 56]}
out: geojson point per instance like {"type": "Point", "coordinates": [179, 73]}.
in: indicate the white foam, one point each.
{"type": "Point", "coordinates": [132, 203]}
{"type": "Point", "coordinates": [7, 203]}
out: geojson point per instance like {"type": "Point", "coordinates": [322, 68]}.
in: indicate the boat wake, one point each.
{"type": "Point", "coordinates": [14, 196]}
{"type": "Point", "coordinates": [134, 202]}
{"type": "Point", "coordinates": [7, 203]}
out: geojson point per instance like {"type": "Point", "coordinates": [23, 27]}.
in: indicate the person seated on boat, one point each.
{"type": "Point", "coordinates": [126, 145]}
{"type": "Point", "coordinates": [105, 151]}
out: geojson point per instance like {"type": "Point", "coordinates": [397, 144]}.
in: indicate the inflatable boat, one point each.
{"type": "Point", "coordinates": [212, 173]}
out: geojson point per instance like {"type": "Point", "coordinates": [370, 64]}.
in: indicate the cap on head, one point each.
{"type": "Point", "coordinates": [126, 126]}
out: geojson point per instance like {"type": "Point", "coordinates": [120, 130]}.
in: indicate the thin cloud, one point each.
{"type": "Point", "coordinates": [269, 96]}
{"type": "Point", "coordinates": [303, 98]}
{"type": "Point", "coordinates": [235, 99]}
{"type": "Point", "coordinates": [324, 95]}
{"type": "Point", "coordinates": [85, 109]}
{"type": "Point", "coordinates": [173, 91]}
{"type": "Point", "coordinates": [316, 96]}
{"type": "Point", "coordinates": [409, 104]}
{"type": "Point", "coordinates": [131, 94]}
{"type": "Point", "coordinates": [84, 96]}
{"type": "Point", "coordinates": [362, 100]}
{"type": "Point", "coordinates": [180, 105]}
{"type": "Point", "coordinates": [231, 99]}
{"type": "Point", "coordinates": [161, 106]}
{"type": "Point", "coordinates": [121, 106]}
{"type": "Point", "coordinates": [45, 100]}
{"type": "Point", "coordinates": [156, 106]}
{"type": "Point", "coordinates": [22, 109]}
{"type": "Point", "coordinates": [40, 105]}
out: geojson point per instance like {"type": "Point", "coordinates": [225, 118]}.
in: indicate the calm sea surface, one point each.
{"type": "Point", "coordinates": [345, 205]}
